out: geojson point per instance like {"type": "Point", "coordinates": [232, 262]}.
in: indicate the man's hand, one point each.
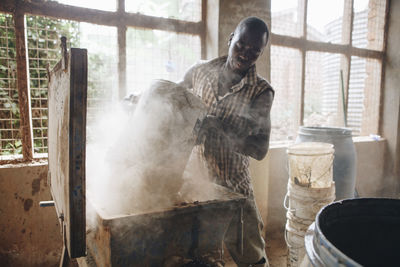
{"type": "Point", "coordinates": [210, 125]}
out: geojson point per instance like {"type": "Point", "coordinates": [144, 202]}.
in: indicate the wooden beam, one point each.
{"type": "Point", "coordinates": [383, 71]}
{"type": "Point", "coordinates": [23, 85]}
{"type": "Point", "coordinates": [307, 45]}
{"type": "Point", "coordinates": [121, 62]}
{"type": "Point", "coordinates": [300, 119]}
{"type": "Point", "coordinates": [121, 52]}
{"type": "Point", "coordinates": [60, 11]}
{"type": "Point", "coordinates": [204, 29]}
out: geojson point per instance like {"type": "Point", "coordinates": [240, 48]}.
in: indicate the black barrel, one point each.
{"type": "Point", "coordinates": [344, 163]}
{"type": "Point", "coordinates": [356, 232]}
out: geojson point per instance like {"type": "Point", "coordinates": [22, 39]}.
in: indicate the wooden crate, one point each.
{"type": "Point", "coordinates": [149, 239]}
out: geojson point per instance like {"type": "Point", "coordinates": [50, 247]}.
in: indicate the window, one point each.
{"type": "Point", "coordinates": [326, 64]}
{"type": "Point", "coordinates": [156, 39]}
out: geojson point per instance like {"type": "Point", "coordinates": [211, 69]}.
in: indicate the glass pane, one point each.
{"type": "Point", "coordinates": [368, 24]}
{"type": "Point", "coordinates": [102, 46]}
{"type": "Point", "coordinates": [43, 36]}
{"type": "Point", "coordinates": [286, 18]}
{"type": "Point", "coordinates": [189, 10]}
{"type": "Point", "coordinates": [324, 20]}
{"type": "Point", "coordinates": [364, 95]}
{"type": "Point", "coordinates": [286, 81]}
{"type": "Point", "coordinates": [10, 139]}
{"type": "Point", "coordinates": [110, 5]}
{"type": "Point", "coordinates": [323, 91]}
{"type": "Point", "coordinates": [154, 54]}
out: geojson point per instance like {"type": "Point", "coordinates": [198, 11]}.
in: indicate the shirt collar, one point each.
{"type": "Point", "coordinates": [250, 78]}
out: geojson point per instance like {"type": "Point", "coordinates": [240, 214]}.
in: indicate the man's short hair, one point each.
{"type": "Point", "coordinates": [255, 24]}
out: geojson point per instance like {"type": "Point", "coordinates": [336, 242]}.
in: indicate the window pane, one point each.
{"type": "Point", "coordinates": [286, 18]}
{"type": "Point", "coordinates": [189, 10]}
{"type": "Point", "coordinates": [154, 54]}
{"type": "Point", "coordinates": [101, 43]}
{"type": "Point", "coordinates": [323, 91]}
{"type": "Point", "coordinates": [110, 5]}
{"type": "Point", "coordinates": [368, 24]}
{"type": "Point", "coordinates": [9, 110]}
{"type": "Point", "coordinates": [324, 20]}
{"type": "Point", "coordinates": [364, 95]}
{"type": "Point", "coordinates": [286, 81]}
{"type": "Point", "coordinates": [43, 36]}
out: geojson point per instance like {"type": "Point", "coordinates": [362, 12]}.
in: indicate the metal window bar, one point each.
{"type": "Point", "coordinates": [10, 138]}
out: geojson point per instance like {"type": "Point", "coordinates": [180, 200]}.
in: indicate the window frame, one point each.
{"type": "Point", "coordinates": [119, 19]}
{"type": "Point", "coordinates": [346, 50]}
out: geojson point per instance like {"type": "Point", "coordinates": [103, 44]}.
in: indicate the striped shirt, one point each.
{"type": "Point", "coordinates": [228, 167]}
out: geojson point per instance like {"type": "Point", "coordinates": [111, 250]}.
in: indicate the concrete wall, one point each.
{"type": "Point", "coordinates": [390, 123]}
{"type": "Point", "coordinates": [29, 235]}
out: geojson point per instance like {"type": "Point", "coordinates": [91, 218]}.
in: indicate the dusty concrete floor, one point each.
{"type": "Point", "coordinates": [276, 252]}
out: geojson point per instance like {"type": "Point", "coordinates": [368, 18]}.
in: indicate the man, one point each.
{"type": "Point", "coordinates": [237, 127]}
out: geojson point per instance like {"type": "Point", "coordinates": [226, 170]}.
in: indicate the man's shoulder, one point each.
{"type": "Point", "coordinates": [264, 85]}
{"type": "Point", "coordinates": [214, 62]}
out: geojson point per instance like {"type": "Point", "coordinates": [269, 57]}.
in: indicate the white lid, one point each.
{"type": "Point", "coordinates": [310, 149]}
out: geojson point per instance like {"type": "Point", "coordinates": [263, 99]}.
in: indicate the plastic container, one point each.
{"type": "Point", "coordinates": [355, 232]}
{"type": "Point", "coordinates": [310, 164]}
{"type": "Point", "coordinates": [304, 204]}
{"type": "Point", "coordinates": [344, 163]}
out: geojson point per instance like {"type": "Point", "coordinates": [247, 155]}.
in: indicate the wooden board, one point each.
{"type": "Point", "coordinates": [67, 145]}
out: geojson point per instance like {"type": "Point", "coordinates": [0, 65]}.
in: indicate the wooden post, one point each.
{"type": "Point", "coordinates": [303, 6]}
{"type": "Point", "coordinates": [121, 52]}
{"type": "Point", "coordinates": [23, 84]}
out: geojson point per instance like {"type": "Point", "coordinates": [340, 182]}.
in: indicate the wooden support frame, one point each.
{"type": "Point", "coordinates": [23, 85]}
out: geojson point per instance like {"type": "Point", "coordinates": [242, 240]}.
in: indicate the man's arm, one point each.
{"type": "Point", "coordinates": [256, 144]}
{"type": "Point", "coordinates": [187, 81]}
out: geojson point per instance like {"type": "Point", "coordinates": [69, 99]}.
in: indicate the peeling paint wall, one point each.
{"type": "Point", "coordinates": [29, 235]}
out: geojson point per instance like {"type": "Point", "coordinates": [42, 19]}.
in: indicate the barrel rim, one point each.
{"type": "Point", "coordinates": [322, 130]}
{"type": "Point", "coordinates": [323, 240]}
{"type": "Point", "coordinates": [310, 149]}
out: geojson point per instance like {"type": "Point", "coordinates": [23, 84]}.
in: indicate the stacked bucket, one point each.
{"type": "Point", "coordinates": [310, 187]}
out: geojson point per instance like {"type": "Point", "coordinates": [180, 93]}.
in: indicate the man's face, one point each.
{"type": "Point", "coordinates": [245, 48]}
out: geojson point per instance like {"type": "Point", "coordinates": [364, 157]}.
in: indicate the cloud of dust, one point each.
{"type": "Point", "coordinates": [136, 160]}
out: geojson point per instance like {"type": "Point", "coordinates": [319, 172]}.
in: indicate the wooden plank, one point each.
{"type": "Point", "coordinates": [23, 86]}
{"type": "Point", "coordinates": [121, 62]}
{"type": "Point", "coordinates": [301, 43]}
{"type": "Point", "coordinates": [67, 139]}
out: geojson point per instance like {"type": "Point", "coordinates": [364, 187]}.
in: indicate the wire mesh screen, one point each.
{"type": "Point", "coordinates": [154, 54]}
{"type": "Point", "coordinates": [286, 18]}
{"type": "Point", "coordinates": [9, 110]}
{"type": "Point", "coordinates": [286, 81]}
{"type": "Point", "coordinates": [189, 10]}
{"type": "Point", "coordinates": [43, 38]}
{"type": "Point", "coordinates": [323, 96]}
{"type": "Point", "coordinates": [368, 24]}
{"type": "Point", "coordinates": [364, 95]}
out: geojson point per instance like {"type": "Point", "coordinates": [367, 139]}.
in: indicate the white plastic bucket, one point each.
{"type": "Point", "coordinates": [302, 205]}
{"type": "Point", "coordinates": [311, 164]}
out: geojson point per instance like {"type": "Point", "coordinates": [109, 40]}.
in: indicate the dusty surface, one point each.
{"type": "Point", "coordinates": [276, 253]}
